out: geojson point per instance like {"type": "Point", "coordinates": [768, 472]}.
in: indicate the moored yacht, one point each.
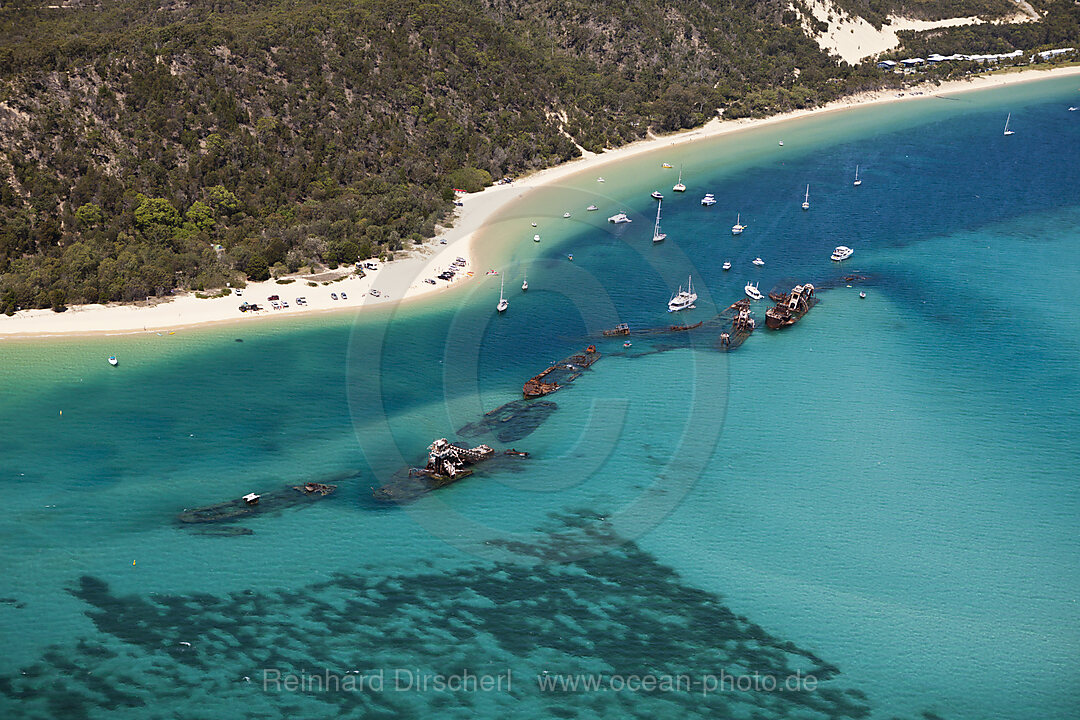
{"type": "Point", "coordinates": [758, 261]}
{"type": "Point", "coordinates": [806, 200]}
{"type": "Point", "coordinates": [727, 264]}
{"type": "Point", "coordinates": [684, 298]}
{"type": "Point", "coordinates": [679, 187]}
{"type": "Point", "coordinates": [591, 208]}
{"type": "Point", "coordinates": [752, 291]}
{"type": "Point", "coordinates": [842, 252]}
{"type": "Point", "coordinates": [657, 195]}
{"type": "Point", "coordinates": [525, 282]}
{"type": "Point", "coordinates": [503, 304]}
{"type": "Point", "coordinates": [658, 236]}
{"type": "Point", "coordinates": [857, 182]}
{"type": "Point", "coordinates": [619, 218]}
{"type": "Point", "coordinates": [738, 227]}
{"type": "Point", "coordinates": [708, 199]}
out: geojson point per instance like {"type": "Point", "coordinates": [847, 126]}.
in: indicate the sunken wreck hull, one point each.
{"type": "Point", "coordinates": [297, 495]}
{"type": "Point", "coordinates": [447, 463]}
{"type": "Point", "coordinates": [560, 374]}
{"type": "Point", "coordinates": [790, 307]}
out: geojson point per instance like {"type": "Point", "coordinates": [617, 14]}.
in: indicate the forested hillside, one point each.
{"type": "Point", "coordinates": [147, 146]}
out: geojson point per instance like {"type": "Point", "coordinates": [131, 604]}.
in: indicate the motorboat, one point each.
{"type": "Point", "coordinates": [862, 295]}
{"type": "Point", "coordinates": [738, 227]}
{"type": "Point", "coordinates": [113, 361]}
{"type": "Point", "coordinates": [656, 195]}
{"type": "Point", "coordinates": [781, 143]}
{"type": "Point", "coordinates": [599, 179]}
{"type": "Point", "coordinates": [503, 304]}
{"type": "Point", "coordinates": [658, 236]}
{"type": "Point", "coordinates": [525, 282]}
{"type": "Point", "coordinates": [534, 224]}
{"type": "Point", "coordinates": [619, 218]}
{"type": "Point", "coordinates": [666, 166]}
{"type": "Point", "coordinates": [758, 261]}
{"type": "Point", "coordinates": [536, 238]}
{"type": "Point", "coordinates": [842, 252]}
{"type": "Point", "coordinates": [752, 291]}
{"type": "Point", "coordinates": [708, 200]}
{"type": "Point", "coordinates": [592, 208]}
{"type": "Point", "coordinates": [684, 298]}
{"type": "Point", "coordinates": [727, 264]}
{"type": "Point", "coordinates": [566, 214]}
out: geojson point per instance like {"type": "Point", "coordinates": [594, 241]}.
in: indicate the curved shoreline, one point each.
{"type": "Point", "coordinates": [401, 281]}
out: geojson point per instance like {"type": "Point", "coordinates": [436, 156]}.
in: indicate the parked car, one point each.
{"type": "Point", "coordinates": [333, 296]}
{"type": "Point", "coordinates": [344, 296]}
{"type": "Point", "coordinates": [375, 292]}
{"type": "Point", "coordinates": [301, 301]}
{"type": "Point", "coordinates": [284, 303]}
{"type": "Point", "coordinates": [429, 281]}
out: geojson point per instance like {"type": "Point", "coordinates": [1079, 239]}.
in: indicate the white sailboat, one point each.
{"type": "Point", "coordinates": [857, 182]}
{"type": "Point", "coordinates": [806, 200]}
{"type": "Point", "coordinates": [658, 236]}
{"type": "Point", "coordinates": [503, 304]}
{"type": "Point", "coordinates": [679, 187]}
{"type": "Point", "coordinates": [738, 227]}
{"type": "Point", "coordinates": [525, 282]}
{"type": "Point", "coordinates": [684, 298]}
{"type": "Point", "coordinates": [1007, 130]}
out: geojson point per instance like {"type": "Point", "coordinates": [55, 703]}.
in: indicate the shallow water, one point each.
{"type": "Point", "coordinates": [882, 495]}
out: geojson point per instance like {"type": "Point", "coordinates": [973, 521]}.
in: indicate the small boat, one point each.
{"type": "Point", "coordinates": [599, 179]}
{"type": "Point", "coordinates": [679, 187]}
{"type": "Point", "coordinates": [1073, 109]}
{"type": "Point", "coordinates": [862, 295]}
{"type": "Point", "coordinates": [752, 292]}
{"type": "Point", "coordinates": [666, 166]}
{"type": "Point", "coordinates": [806, 200]}
{"type": "Point", "coordinates": [738, 227]}
{"type": "Point", "coordinates": [781, 143]}
{"type": "Point", "coordinates": [566, 214]}
{"type": "Point", "coordinates": [842, 252]}
{"type": "Point", "coordinates": [591, 208]}
{"type": "Point", "coordinates": [534, 224]}
{"type": "Point", "coordinates": [1007, 130]}
{"type": "Point", "coordinates": [525, 282]}
{"type": "Point", "coordinates": [619, 218]}
{"type": "Point", "coordinates": [758, 261]}
{"type": "Point", "coordinates": [658, 236]}
{"type": "Point", "coordinates": [570, 258]}
{"type": "Point", "coordinates": [727, 264]}
{"type": "Point", "coordinates": [626, 344]}
{"type": "Point", "coordinates": [857, 182]}
{"type": "Point", "coordinates": [708, 200]}
{"type": "Point", "coordinates": [536, 238]}
{"type": "Point", "coordinates": [656, 195]}
{"type": "Point", "coordinates": [503, 304]}
{"type": "Point", "coordinates": [684, 298]}
{"type": "Point", "coordinates": [113, 361]}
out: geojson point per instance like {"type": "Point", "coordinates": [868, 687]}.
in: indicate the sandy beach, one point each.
{"type": "Point", "coordinates": [403, 279]}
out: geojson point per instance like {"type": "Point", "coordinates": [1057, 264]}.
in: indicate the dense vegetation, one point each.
{"type": "Point", "coordinates": [146, 147]}
{"type": "Point", "coordinates": [1060, 27]}
{"type": "Point", "coordinates": [877, 12]}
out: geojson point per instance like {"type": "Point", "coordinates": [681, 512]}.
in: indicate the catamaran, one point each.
{"type": "Point", "coordinates": [806, 200]}
{"type": "Point", "coordinates": [684, 298]}
{"type": "Point", "coordinates": [658, 236]}
{"type": "Point", "coordinates": [503, 304]}
{"type": "Point", "coordinates": [1007, 130]}
{"type": "Point", "coordinates": [738, 227]}
{"type": "Point", "coordinates": [619, 218]}
{"type": "Point", "coordinates": [679, 187]}
{"type": "Point", "coordinates": [857, 182]}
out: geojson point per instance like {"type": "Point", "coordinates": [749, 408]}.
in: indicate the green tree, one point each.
{"type": "Point", "coordinates": [257, 269]}
{"type": "Point", "coordinates": [201, 215]}
{"type": "Point", "coordinates": [89, 216]}
{"type": "Point", "coordinates": [155, 212]}
{"type": "Point", "coordinates": [223, 200]}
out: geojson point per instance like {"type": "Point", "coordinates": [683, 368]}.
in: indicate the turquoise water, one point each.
{"type": "Point", "coordinates": [883, 496]}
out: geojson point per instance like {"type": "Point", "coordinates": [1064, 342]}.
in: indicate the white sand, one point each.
{"type": "Point", "coordinates": [403, 279]}
{"type": "Point", "coordinates": [853, 38]}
